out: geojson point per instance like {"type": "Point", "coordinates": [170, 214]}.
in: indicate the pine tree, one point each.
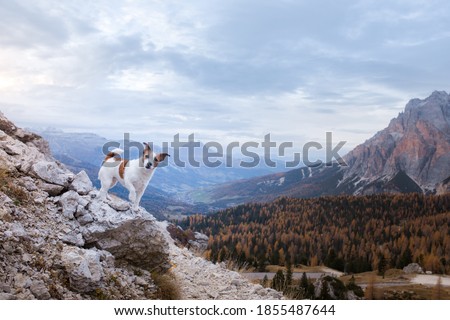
{"type": "Point", "coordinates": [289, 274]}
{"type": "Point", "coordinates": [406, 258]}
{"type": "Point", "coordinates": [382, 265]}
{"type": "Point", "coordinates": [265, 281]}
{"type": "Point", "coordinates": [278, 281]}
{"type": "Point", "coordinates": [303, 287]}
{"type": "Point", "coordinates": [324, 295]}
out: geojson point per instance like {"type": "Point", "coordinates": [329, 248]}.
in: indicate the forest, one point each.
{"type": "Point", "coordinates": [349, 233]}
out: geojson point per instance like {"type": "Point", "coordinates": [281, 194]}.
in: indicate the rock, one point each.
{"type": "Point", "coordinates": [39, 290]}
{"type": "Point", "coordinates": [73, 238]}
{"type": "Point", "coordinates": [18, 231]}
{"type": "Point", "coordinates": [26, 257]}
{"type": "Point", "coordinates": [22, 281]}
{"type": "Point", "coordinates": [85, 219]}
{"type": "Point", "coordinates": [5, 200]}
{"type": "Point", "coordinates": [200, 243]}
{"type": "Point", "coordinates": [51, 172]}
{"type": "Point", "coordinates": [107, 258]}
{"type": "Point", "coordinates": [413, 268]}
{"type": "Point", "coordinates": [331, 288]}
{"type": "Point", "coordinates": [132, 237]}
{"type": "Point", "coordinates": [7, 296]}
{"type": "Point", "coordinates": [443, 187]}
{"type": "Point", "coordinates": [118, 204]}
{"type": "Point", "coordinates": [40, 200]}
{"type": "Point", "coordinates": [5, 288]}
{"type": "Point", "coordinates": [237, 282]}
{"type": "Point", "coordinates": [69, 202]}
{"type": "Point", "coordinates": [84, 268]}
{"type": "Point", "coordinates": [81, 183]}
{"type": "Point", "coordinates": [12, 149]}
{"type": "Point", "coordinates": [52, 189]}
{"type": "Point", "coordinates": [28, 183]}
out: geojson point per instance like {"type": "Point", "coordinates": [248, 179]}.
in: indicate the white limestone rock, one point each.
{"type": "Point", "coordinates": [52, 189]}
{"type": "Point", "coordinates": [84, 268]}
{"type": "Point", "coordinates": [130, 236]}
{"type": "Point", "coordinates": [69, 202]}
{"type": "Point", "coordinates": [413, 268]}
{"type": "Point", "coordinates": [51, 172]}
{"type": "Point", "coordinates": [81, 183]}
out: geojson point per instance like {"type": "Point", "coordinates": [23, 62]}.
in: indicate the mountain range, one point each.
{"type": "Point", "coordinates": [411, 155]}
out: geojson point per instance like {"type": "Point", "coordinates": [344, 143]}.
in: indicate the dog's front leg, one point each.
{"type": "Point", "coordinates": [132, 195]}
{"type": "Point", "coordinates": [139, 193]}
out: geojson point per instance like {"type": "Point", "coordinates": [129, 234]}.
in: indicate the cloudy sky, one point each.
{"type": "Point", "coordinates": [224, 70]}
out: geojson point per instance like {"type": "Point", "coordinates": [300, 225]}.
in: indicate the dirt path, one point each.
{"type": "Point", "coordinates": [431, 280]}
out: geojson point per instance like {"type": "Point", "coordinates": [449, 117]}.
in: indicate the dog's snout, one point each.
{"type": "Point", "coordinates": [149, 165]}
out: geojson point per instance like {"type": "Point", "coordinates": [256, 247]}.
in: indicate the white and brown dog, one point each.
{"type": "Point", "coordinates": [132, 174]}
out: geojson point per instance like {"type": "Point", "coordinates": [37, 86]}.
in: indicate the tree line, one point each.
{"type": "Point", "coordinates": [348, 233]}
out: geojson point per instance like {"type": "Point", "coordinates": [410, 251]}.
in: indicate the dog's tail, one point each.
{"type": "Point", "coordinates": [112, 154]}
{"type": "Point", "coordinates": [116, 151]}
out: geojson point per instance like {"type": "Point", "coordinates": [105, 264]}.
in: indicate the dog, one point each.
{"type": "Point", "coordinates": [134, 174]}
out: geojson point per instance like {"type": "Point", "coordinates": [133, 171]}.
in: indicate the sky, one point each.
{"type": "Point", "coordinates": [223, 70]}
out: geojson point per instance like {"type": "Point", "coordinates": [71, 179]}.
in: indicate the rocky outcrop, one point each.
{"type": "Point", "coordinates": [130, 236]}
{"type": "Point", "coordinates": [413, 268]}
{"type": "Point", "coordinates": [330, 288]}
{"type": "Point", "coordinates": [53, 231]}
{"type": "Point", "coordinates": [58, 241]}
{"type": "Point", "coordinates": [443, 187]}
{"type": "Point", "coordinates": [84, 269]}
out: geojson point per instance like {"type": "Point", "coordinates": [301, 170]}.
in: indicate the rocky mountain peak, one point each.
{"type": "Point", "coordinates": [416, 143]}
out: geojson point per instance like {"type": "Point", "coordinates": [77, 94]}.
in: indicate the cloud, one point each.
{"type": "Point", "coordinates": [226, 70]}
{"type": "Point", "coordinates": [24, 25]}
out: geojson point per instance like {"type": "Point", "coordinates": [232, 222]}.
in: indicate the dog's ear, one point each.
{"type": "Point", "coordinates": [147, 145]}
{"type": "Point", "coordinates": [161, 156]}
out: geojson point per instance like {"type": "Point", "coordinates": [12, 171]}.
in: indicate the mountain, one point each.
{"type": "Point", "coordinates": [59, 241]}
{"type": "Point", "coordinates": [411, 155]}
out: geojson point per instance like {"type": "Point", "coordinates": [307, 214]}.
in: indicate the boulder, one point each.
{"type": "Point", "coordinates": [133, 237]}
{"type": "Point", "coordinates": [84, 268]}
{"type": "Point", "coordinates": [52, 189]}
{"type": "Point", "coordinates": [81, 183]}
{"type": "Point", "coordinates": [413, 268]}
{"type": "Point", "coordinates": [200, 243]}
{"type": "Point", "coordinates": [73, 238]}
{"type": "Point", "coordinates": [69, 202]}
{"type": "Point", "coordinates": [51, 172]}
